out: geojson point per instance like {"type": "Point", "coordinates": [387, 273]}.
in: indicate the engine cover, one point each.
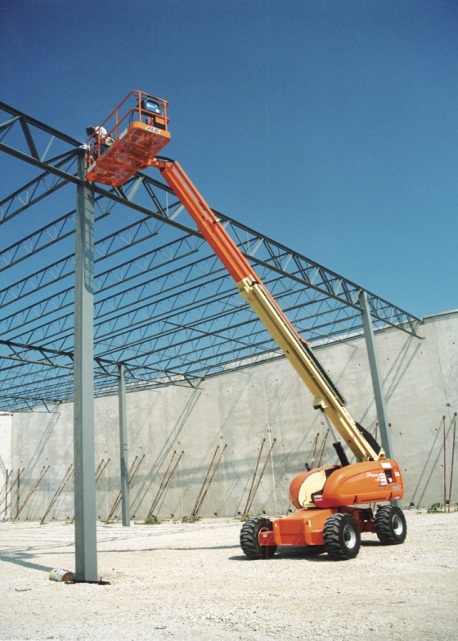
{"type": "Point", "coordinates": [355, 484]}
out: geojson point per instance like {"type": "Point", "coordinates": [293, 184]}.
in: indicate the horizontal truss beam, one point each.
{"type": "Point", "coordinates": [187, 322]}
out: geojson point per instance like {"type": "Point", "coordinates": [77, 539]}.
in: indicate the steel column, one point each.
{"type": "Point", "coordinates": [84, 447]}
{"type": "Point", "coordinates": [123, 447]}
{"type": "Point", "coordinates": [375, 373]}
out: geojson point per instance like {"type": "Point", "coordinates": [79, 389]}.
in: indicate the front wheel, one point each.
{"type": "Point", "coordinates": [390, 525]}
{"type": "Point", "coordinates": [249, 539]}
{"type": "Point", "coordinates": [342, 538]}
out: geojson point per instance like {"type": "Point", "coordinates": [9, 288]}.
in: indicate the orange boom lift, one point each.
{"type": "Point", "coordinates": [135, 132]}
{"type": "Point", "coordinates": [332, 502]}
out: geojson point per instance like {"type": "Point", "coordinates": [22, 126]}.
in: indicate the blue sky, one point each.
{"type": "Point", "coordinates": [328, 125]}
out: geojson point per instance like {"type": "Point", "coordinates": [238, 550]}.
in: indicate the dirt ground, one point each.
{"type": "Point", "coordinates": [182, 582]}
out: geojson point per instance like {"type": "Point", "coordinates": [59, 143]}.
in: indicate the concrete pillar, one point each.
{"type": "Point", "coordinates": [375, 374]}
{"type": "Point", "coordinates": [84, 448]}
{"type": "Point", "coordinates": [123, 448]}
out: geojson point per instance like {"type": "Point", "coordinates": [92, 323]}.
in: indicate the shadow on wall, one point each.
{"type": "Point", "coordinates": [32, 479]}
{"type": "Point", "coordinates": [42, 445]}
{"type": "Point", "coordinates": [165, 454]}
{"type": "Point", "coordinates": [435, 459]}
{"type": "Point", "coordinates": [399, 367]}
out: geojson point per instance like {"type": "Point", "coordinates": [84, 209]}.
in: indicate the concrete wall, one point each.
{"type": "Point", "coordinates": [5, 458]}
{"type": "Point", "coordinates": [247, 414]}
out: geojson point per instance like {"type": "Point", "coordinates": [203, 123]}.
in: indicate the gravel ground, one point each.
{"type": "Point", "coordinates": [182, 582]}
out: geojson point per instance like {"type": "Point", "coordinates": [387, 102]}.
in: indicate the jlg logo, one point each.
{"type": "Point", "coordinates": [378, 477]}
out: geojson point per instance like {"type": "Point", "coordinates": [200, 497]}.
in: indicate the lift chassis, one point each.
{"type": "Point", "coordinates": [333, 503]}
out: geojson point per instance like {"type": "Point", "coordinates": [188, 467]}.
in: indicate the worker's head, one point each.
{"type": "Point", "coordinates": [90, 131]}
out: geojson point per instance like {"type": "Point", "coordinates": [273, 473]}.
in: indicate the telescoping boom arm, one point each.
{"type": "Point", "coordinates": [293, 346]}
{"type": "Point", "coordinates": [327, 498]}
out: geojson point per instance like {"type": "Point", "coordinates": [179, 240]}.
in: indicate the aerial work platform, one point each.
{"type": "Point", "coordinates": [128, 139]}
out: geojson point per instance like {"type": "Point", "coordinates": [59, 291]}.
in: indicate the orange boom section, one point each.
{"type": "Point", "coordinates": [127, 140]}
{"type": "Point", "coordinates": [215, 233]}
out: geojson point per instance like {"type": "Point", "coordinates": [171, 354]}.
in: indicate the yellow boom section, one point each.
{"type": "Point", "coordinates": [301, 358]}
{"type": "Point", "coordinates": [296, 349]}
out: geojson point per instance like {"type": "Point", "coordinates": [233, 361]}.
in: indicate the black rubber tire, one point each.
{"type": "Point", "coordinates": [342, 538]}
{"type": "Point", "coordinates": [390, 525]}
{"type": "Point", "coordinates": [249, 540]}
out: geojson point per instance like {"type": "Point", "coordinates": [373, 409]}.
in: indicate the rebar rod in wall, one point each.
{"type": "Point", "coordinates": [315, 445]}
{"type": "Point", "coordinates": [32, 490]}
{"type": "Point", "coordinates": [207, 482]}
{"type": "Point", "coordinates": [255, 491]}
{"type": "Point", "coordinates": [4, 487]}
{"type": "Point", "coordinates": [10, 488]}
{"type": "Point", "coordinates": [68, 475]}
{"type": "Point", "coordinates": [445, 463]}
{"type": "Point", "coordinates": [452, 463]}
{"type": "Point", "coordinates": [245, 511]}
{"type": "Point", "coordinates": [132, 474]}
{"type": "Point", "coordinates": [323, 447]}
{"type": "Point", "coordinates": [164, 484]}
{"type": "Point", "coordinates": [101, 467]}
{"type": "Point", "coordinates": [8, 476]}
{"type": "Point", "coordinates": [210, 480]}
{"type": "Point", "coordinates": [6, 491]}
{"type": "Point", "coordinates": [18, 491]}
{"type": "Point", "coordinates": [205, 479]}
{"type": "Point", "coordinates": [170, 476]}
{"type": "Point", "coordinates": [161, 485]}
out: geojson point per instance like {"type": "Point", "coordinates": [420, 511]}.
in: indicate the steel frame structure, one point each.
{"type": "Point", "coordinates": [165, 309]}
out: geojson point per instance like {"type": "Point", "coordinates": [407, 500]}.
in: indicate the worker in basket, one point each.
{"type": "Point", "coordinates": [100, 141]}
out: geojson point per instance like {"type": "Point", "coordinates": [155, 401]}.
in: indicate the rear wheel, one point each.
{"type": "Point", "coordinates": [249, 539]}
{"type": "Point", "coordinates": [390, 525]}
{"type": "Point", "coordinates": [342, 538]}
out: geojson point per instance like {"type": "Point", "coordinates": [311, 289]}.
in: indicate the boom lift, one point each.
{"type": "Point", "coordinates": [333, 502]}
